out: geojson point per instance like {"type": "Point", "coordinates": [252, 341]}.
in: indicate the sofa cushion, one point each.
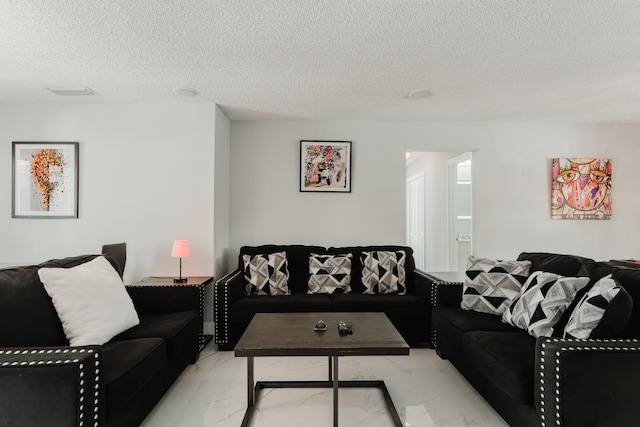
{"type": "Point", "coordinates": [383, 272]}
{"type": "Point", "coordinates": [507, 359]}
{"type": "Point", "coordinates": [564, 265]}
{"type": "Point", "coordinates": [452, 322]}
{"type": "Point", "coordinates": [90, 300]}
{"type": "Point", "coordinates": [398, 306]}
{"type": "Point", "coordinates": [128, 366]}
{"type": "Point", "coordinates": [329, 273]}
{"type": "Point", "coordinates": [603, 312]}
{"type": "Point", "coordinates": [490, 285]}
{"type": "Point", "coordinates": [244, 309]}
{"type": "Point", "coordinates": [297, 260]}
{"type": "Point", "coordinates": [544, 299]}
{"type": "Point", "coordinates": [356, 272]}
{"type": "Point", "coordinates": [177, 329]}
{"type": "Point", "coordinates": [629, 279]}
{"type": "Point", "coordinates": [266, 274]}
{"type": "Point", "coordinates": [27, 315]}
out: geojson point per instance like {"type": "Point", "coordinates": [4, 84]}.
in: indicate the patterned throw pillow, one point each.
{"type": "Point", "coordinates": [328, 273]}
{"type": "Point", "coordinates": [266, 274]}
{"type": "Point", "coordinates": [544, 298]}
{"type": "Point", "coordinates": [490, 286]}
{"type": "Point", "coordinates": [383, 272]}
{"type": "Point", "coordinates": [603, 312]}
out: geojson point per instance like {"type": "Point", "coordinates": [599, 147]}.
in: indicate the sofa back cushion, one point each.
{"type": "Point", "coordinates": [564, 265]}
{"type": "Point", "coordinates": [357, 267]}
{"type": "Point", "coordinates": [629, 279]}
{"type": "Point", "coordinates": [297, 260]}
{"type": "Point", "coordinates": [27, 315]}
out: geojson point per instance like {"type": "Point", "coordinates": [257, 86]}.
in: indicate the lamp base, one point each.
{"type": "Point", "coordinates": [180, 280]}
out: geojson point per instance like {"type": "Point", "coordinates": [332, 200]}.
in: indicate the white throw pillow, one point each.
{"type": "Point", "coordinates": [542, 302]}
{"type": "Point", "coordinates": [91, 301]}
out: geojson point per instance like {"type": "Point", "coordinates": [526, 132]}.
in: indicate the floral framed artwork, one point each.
{"type": "Point", "coordinates": [45, 180]}
{"type": "Point", "coordinates": [581, 188]}
{"type": "Point", "coordinates": [325, 166]}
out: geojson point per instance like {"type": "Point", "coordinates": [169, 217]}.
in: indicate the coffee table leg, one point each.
{"type": "Point", "coordinates": [335, 391]}
{"type": "Point", "coordinates": [251, 398]}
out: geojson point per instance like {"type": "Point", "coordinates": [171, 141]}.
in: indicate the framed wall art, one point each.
{"type": "Point", "coordinates": [325, 166]}
{"type": "Point", "coordinates": [581, 188]}
{"type": "Point", "coordinates": [45, 180]}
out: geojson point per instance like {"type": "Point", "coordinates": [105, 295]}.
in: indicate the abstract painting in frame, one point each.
{"type": "Point", "coordinates": [325, 166]}
{"type": "Point", "coordinates": [45, 180]}
{"type": "Point", "coordinates": [580, 188]}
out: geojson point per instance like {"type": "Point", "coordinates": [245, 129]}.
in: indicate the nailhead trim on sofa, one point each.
{"type": "Point", "coordinates": [221, 311]}
{"type": "Point", "coordinates": [570, 345]}
{"type": "Point", "coordinates": [59, 356]}
{"type": "Point", "coordinates": [434, 302]}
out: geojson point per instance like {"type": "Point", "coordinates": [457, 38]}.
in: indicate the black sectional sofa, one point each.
{"type": "Point", "coordinates": [548, 381]}
{"type": "Point", "coordinates": [233, 310]}
{"type": "Point", "coordinates": [45, 382]}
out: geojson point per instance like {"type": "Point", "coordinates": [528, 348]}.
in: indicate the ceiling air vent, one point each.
{"type": "Point", "coordinates": [72, 91]}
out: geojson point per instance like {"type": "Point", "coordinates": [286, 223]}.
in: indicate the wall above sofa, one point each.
{"type": "Point", "coordinates": [511, 184]}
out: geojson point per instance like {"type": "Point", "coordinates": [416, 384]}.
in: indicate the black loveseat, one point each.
{"type": "Point", "coordinates": [233, 310]}
{"type": "Point", "coordinates": [548, 381]}
{"type": "Point", "coordinates": [45, 382]}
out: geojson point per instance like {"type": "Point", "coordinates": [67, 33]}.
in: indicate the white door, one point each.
{"type": "Point", "coordinates": [415, 219]}
{"type": "Point", "coordinates": [460, 212]}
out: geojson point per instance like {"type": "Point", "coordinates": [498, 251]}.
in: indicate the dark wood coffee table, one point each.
{"type": "Point", "coordinates": [293, 334]}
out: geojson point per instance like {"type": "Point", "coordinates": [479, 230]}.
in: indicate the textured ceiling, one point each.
{"type": "Point", "coordinates": [556, 60]}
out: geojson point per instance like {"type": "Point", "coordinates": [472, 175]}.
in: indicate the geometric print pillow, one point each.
{"type": "Point", "coordinates": [490, 285]}
{"type": "Point", "coordinates": [603, 312]}
{"type": "Point", "coordinates": [266, 274]}
{"type": "Point", "coordinates": [328, 273]}
{"type": "Point", "coordinates": [383, 272]}
{"type": "Point", "coordinates": [544, 298]}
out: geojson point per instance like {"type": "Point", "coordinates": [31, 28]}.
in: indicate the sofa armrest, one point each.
{"type": "Point", "coordinates": [587, 382]}
{"type": "Point", "coordinates": [226, 291]}
{"type": "Point", "coordinates": [164, 299]}
{"type": "Point", "coordinates": [446, 294]}
{"type": "Point", "coordinates": [422, 283]}
{"type": "Point", "coordinates": [52, 386]}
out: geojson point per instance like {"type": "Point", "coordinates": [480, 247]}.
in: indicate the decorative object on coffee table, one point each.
{"type": "Point", "coordinates": [325, 166]}
{"type": "Point", "coordinates": [180, 250]}
{"type": "Point", "coordinates": [289, 334]}
{"type": "Point", "coordinates": [45, 180]}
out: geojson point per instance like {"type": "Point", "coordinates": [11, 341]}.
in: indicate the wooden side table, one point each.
{"type": "Point", "coordinates": [193, 284]}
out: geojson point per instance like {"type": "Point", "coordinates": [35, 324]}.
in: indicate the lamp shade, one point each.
{"type": "Point", "coordinates": [180, 249]}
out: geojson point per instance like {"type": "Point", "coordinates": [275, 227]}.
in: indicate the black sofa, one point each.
{"type": "Point", "coordinates": [233, 310]}
{"type": "Point", "coordinates": [548, 381]}
{"type": "Point", "coordinates": [45, 382]}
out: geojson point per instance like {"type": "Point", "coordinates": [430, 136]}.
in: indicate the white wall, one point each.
{"type": "Point", "coordinates": [221, 194]}
{"type": "Point", "coordinates": [510, 174]}
{"type": "Point", "coordinates": [146, 177]}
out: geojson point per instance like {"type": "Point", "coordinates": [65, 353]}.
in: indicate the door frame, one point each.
{"type": "Point", "coordinates": [452, 242]}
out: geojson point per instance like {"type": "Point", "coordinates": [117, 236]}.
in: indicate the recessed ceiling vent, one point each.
{"type": "Point", "coordinates": [72, 91]}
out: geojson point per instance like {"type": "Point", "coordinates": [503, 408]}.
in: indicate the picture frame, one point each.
{"type": "Point", "coordinates": [581, 188]}
{"type": "Point", "coordinates": [44, 179]}
{"type": "Point", "coordinates": [325, 166]}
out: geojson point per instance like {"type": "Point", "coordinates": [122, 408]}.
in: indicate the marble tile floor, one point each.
{"type": "Point", "coordinates": [426, 390]}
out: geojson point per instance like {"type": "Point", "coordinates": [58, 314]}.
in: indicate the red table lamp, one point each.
{"type": "Point", "coordinates": [180, 250]}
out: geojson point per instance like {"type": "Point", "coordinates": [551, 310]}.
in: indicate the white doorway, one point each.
{"type": "Point", "coordinates": [460, 211]}
{"type": "Point", "coordinates": [432, 223]}
{"type": "Point", "coordinates": [415, 219]}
